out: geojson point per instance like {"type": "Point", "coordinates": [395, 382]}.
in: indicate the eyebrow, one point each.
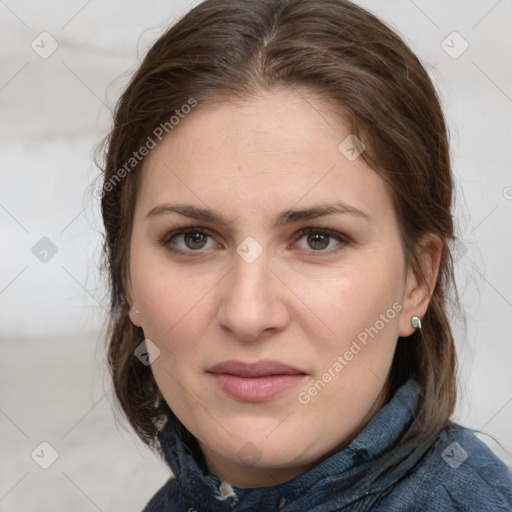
{"type": "Point", "coordinates": [286, 217]}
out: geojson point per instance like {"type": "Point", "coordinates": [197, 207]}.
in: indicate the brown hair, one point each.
{"type": "Point", "coordinates": [228, 50]}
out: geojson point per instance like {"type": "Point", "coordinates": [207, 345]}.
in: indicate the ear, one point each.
{"type": "Point", "coordinates": [133, 312]}
{"type": "Point", "coordinates": [417, 291]}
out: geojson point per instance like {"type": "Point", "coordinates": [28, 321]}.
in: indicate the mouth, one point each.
{"type": "Point", "coordinates": [255, 382]}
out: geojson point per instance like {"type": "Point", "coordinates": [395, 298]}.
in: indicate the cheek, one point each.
{"type": "Point", "coordinates": [173, 311]}
{"type": "Point", "coordinates": [353, 299]}
{"type": "Point", "coordinates": [361, 308]}
{"type": "Point", "coordinates": [170, 299]}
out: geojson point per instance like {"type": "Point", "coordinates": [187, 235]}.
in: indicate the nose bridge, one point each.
{"type": "Point", "coordinates": [251, 300]}
{"type": "Point", "coordinates": [251, 277]}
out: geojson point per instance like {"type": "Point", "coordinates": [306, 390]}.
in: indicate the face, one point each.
{"type": "Point", "coordinates": [267, 269]}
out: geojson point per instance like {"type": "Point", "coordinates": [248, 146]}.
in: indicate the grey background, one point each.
{"type": "Point", "coordinates": [54, 110]}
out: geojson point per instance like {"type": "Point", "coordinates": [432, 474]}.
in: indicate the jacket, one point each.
{"type": "Point", "coordinates": [379, 471]}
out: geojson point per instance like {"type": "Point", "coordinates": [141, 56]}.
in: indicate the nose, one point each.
{"type": "Point", "coordinates": [253, 301]}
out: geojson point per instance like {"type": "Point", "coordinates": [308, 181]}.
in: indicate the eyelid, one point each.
{"type": "Point", "coordinates": [170, 235]}
{"type": "Point", "coordinates": [332, 233]}
{"type": "Point", "coordinates": [342, 239]}
{"type": "Point", "coordinates": [165, 241]}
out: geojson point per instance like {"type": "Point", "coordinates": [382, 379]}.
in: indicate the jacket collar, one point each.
{"type": "Point", "coordinates": [367, 467]}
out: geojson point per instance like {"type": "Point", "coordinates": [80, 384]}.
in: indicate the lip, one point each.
{"type": "Point", "coordinates": [254, 382]}
{"type": "Point", "coordinates": [262, 368]}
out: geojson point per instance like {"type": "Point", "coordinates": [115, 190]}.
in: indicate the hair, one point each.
{"type": "Point", "coordinates": [231, 50]}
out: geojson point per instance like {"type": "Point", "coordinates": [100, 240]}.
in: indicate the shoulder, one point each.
{"type": "Point", "coordinates": [167, 498]}
{"type": "Point", "coordinates": [470, 471]}
{"type": "Point", "coordinates": [458, 473]}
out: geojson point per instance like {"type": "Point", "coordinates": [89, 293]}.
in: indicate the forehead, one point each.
{"type": "Point", "coordinates": [276, 150]}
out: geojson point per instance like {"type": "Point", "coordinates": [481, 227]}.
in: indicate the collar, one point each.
{"type": "Point", "coordinates": [366, 468]}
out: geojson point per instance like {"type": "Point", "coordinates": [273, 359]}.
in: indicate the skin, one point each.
{"type": "Point", "coordinates": [304, 307]}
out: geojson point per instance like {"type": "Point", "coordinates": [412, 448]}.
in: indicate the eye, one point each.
{"type": "Point", "coordinates": [322, 240]}
{"type": "Point", "coordinates": [188, 240]}
{"type": "Point", "coordinates": [193, 241]}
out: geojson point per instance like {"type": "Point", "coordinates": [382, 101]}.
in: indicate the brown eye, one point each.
{"type": "Point", "coordinates": [189, 241]}
{"type": "Point", "coordinates": [318, 241]}
{"type": "Point", "coordinates": [321, 240]}
{"type": "Point", "coordinates": [195, 240]}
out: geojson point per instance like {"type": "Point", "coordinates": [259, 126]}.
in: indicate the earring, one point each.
{"type": "Point", "coordinates": [134, 311]}
{"type": "Point", "coordinates": [416, 322]}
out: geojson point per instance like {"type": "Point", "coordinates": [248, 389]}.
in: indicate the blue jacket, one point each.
{"type": "Point", "coordinates": [377, 471]}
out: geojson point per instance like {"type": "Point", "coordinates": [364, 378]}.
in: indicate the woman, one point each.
{"type": "Point", "coordinates": [277, 204]}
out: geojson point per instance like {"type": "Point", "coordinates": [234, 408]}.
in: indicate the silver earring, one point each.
{"type": "Point", "coordinates": [134, 311]}
{"type": "Point", "coordinates": [416, 322]}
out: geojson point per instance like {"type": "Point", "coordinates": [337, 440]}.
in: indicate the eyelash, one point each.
{"type": "Point", "coordinates": [170, 236]}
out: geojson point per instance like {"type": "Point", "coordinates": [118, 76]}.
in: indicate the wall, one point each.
{"type": "Point", "coordinates": [54, 110]}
